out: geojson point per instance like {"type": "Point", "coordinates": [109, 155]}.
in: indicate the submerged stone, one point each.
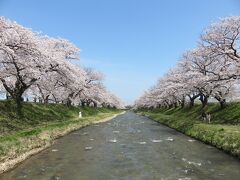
{"type": "Point", "coordinates": [143, 142]}
{"type": "Point", "coordinates": [169, 139]}
{"type": "Point", "coordinates": [88, 148]}
{"type": "Point", "coordinates": [112, 140]}
{"type": "Point", "coordinates": [156, 140]}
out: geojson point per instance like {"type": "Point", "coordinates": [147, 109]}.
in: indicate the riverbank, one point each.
{"type": "Point", "coordinates": [128, 147]}
{"type": "Point", "coordinates": [40, 126]}
{"type": "Point", "coordinates": [223, 132]}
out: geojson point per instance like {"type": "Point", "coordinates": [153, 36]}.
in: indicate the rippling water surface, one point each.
{"type": "Point", "coordinates": [129, 147]}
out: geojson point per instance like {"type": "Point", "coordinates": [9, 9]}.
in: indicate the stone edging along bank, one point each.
{"type": "Point", "coordinates": [47, 139]}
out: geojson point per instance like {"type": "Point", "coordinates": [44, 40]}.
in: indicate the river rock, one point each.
{"type": "Point", "coordinates": [88, 148]}
{"type": "Point", "coordinates": [112, 140]}
{"type": "Point", "coordinates": [156, 140]}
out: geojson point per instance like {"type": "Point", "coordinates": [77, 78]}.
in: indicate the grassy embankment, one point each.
{"type": "Point", "coordinates": [40, 125]}
{"type": "Point", "coordinates": [223, 132]}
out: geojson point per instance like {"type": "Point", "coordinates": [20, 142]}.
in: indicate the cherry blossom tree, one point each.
{"type": "Point", "coordinates": [211, 70]}
{"type": "Point", "coordinates": [26, 56]}
{"type": "Point", "coordinates": [19, 59]}
{"type": "Point", "coordinates": [222, 42]}
{"type": "Point", "coordinates": [38, 66]}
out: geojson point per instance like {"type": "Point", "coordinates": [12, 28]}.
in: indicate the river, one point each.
{"type": "Point", "coordinates": [129, 147]}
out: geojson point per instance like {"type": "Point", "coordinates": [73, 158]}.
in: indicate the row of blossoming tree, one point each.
{"type": "Point", "coordinates": [210, 71]}
{"type": "Point", "coordinates": [39, 68]}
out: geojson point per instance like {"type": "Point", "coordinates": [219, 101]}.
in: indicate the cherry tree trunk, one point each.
{"type": "Point", "coordinates": [222, 103]}
{"type": "Point", "coordinates": [46, 99]}
{"type": "Point", "coordinates": [175, 105]}
{"type": "Point", "coordinates": [83, 104]}
{"type": "Point", "coordinates": [69, 102]}
{"type": "Point", "coordinates": [191, 102]}
{"type": "Point", "coordinates": [8, 96]}
{"type": "Point", "coordinates": [182, 102]}
{"type": "Point", "coordinates": [18, 100]}
{"type": "Point", "coordinates": [204, 100]}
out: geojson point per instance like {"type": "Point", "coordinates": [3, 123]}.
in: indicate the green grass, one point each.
{"type": "Point", "coordinates": [223, 131]}
{"type": "Point", "coordinates": [41, 124]}
{"type": "Point", "coordinates": [35, 114]}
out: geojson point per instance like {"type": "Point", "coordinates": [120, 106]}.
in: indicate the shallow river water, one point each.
{"type": "Point", "coordinates": [129, 147]}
